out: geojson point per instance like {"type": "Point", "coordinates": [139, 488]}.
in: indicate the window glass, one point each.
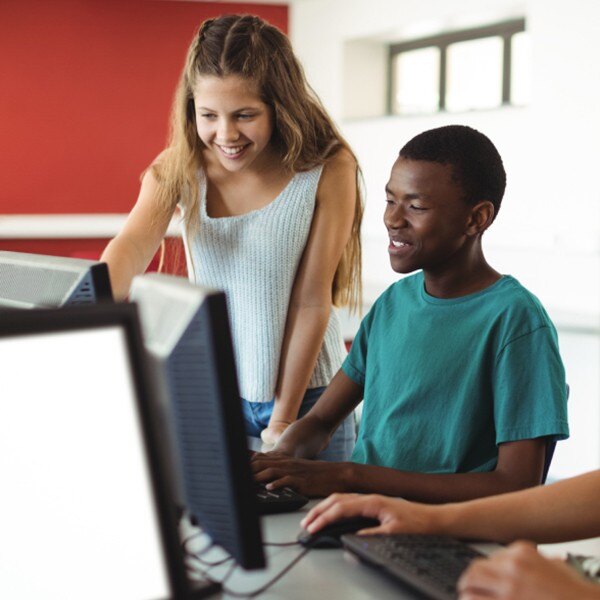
{"type": "Point", "coordinates": [474, 74]}
{"type": "Point", "coordinates": [520, 93]}
{"type": "Point", "coordinates": [416, 76]}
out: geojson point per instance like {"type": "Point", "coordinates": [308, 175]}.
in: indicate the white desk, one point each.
{"type": "Point", "coordinates": [330, 574]}
{"type": "Point", "coordinates": [589, 547]}
{"type": "Point", "coordinates": [333, 574]}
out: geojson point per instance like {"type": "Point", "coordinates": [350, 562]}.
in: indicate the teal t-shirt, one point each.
{"type": "Point", "coordinates": [447, 380]}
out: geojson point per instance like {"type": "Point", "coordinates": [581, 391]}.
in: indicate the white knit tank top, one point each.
{"type": "Point", "coordinates": [254, 257]}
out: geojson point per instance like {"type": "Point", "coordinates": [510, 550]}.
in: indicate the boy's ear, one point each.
{"type": "Point", "coordinates": [482, 215]}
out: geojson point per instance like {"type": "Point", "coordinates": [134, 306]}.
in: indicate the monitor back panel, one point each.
{"type": "Point", "coordinates": [186, 330]}
{"type": "Point", "coordinates": [210, 434]}
{"type": "Point", "coordinates": [32, 280]}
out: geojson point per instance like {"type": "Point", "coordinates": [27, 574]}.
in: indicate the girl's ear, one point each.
{"type": "Point", "coordinates": [482, 215]}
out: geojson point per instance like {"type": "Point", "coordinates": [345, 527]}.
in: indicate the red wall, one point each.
{"type": "Point", "coordinates": [86, 87]}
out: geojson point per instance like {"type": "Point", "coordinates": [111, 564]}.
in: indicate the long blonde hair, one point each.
{"type": "Point", "coordinates": [304, 136]}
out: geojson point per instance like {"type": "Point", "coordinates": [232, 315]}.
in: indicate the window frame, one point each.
{"type": "Point", "coordinates": [504, 30]}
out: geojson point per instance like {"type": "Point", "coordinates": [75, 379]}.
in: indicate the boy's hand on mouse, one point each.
{"type": "Point", "coordinates": [394, 514]}
{"type": "Point", "coordinates": [519, 571]}
{"type": "Point", "coordinates": [312, 478]}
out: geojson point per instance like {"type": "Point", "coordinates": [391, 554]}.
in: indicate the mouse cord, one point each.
{"type": "Point", "coordinates": [195, 566]}
{"type": "Point", "coordinates": [196, 556]}
{"type": "Point", "coordinates": [268, 584]}
{"type": "Point", "coordinates": [202, 566]}
{"type": "Point", "coordinates": [281, 543]}
{"type": "Point", "coordinates": [207, 563]}
{"type": "Point", "coordinates": [185, 542]}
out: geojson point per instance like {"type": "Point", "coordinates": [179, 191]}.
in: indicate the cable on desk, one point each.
{"type": "Point", "coordinates": [196, 556]}
{"type": "Point", "coordinates": [211, 578]}
{"type": "Point", "coordinates": [193, 536]}
{"type": "Point", "coordinates": [208, 563]}
{"type": "Point", "coordinates": [198, 570]}
{"type": "Point", "coordinates": [267, 585]}
{"type": "Point", "coordinates": [296, 543]}
{"type": "Point", "coordinates": [228, 574]}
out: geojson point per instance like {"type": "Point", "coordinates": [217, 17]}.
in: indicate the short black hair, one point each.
{"type": "Point", "coordinates": [476, 163]}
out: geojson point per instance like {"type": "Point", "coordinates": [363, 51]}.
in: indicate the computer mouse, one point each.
{"type": "Point", "coordinates": [329, 536]}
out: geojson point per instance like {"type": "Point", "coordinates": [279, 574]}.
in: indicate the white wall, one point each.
{"type": "Point", "coordinates": [548, 230]}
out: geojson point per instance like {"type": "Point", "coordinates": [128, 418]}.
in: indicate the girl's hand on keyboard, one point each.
{"type": "Point", "coordinates": [519, 572]}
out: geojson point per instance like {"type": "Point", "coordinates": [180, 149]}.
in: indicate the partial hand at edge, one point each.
{"type": "Point", "coordinates": [518, 572]}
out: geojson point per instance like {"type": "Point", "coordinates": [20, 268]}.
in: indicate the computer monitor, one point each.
{"type": "Point", "coordinates": [85, 504]}
{"type": "Point", "coordinates": [186, 331]}
{"type": "Point", "coordinates": [40, 281]}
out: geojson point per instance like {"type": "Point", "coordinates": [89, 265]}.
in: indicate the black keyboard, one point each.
{"type": "Point", "coordinates": [280, 500]}
{"type": "Point", "coordinates": [426, 563]}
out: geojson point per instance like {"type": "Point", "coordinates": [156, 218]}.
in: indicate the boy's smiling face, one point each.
{"type": "Point", "coordinates": [426, 217]}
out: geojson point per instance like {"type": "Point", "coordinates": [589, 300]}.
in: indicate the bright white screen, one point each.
{"type": "Point", "coordinates": [77, 518]}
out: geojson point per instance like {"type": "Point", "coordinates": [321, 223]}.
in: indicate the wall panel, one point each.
{"type": "Point", "coordinates": [86, 92]}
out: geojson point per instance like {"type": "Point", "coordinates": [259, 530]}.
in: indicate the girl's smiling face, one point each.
{"type": "Point", "coordinates": [232, 121]}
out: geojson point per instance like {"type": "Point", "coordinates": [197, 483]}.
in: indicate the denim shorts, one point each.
{"type": "Point", "coordinates": [257, 415]}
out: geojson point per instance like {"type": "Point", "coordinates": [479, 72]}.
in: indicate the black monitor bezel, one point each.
{"type": "Point", "coordinates": [73, 318]}
{"type": "Point", "coordinates": [101, 279]}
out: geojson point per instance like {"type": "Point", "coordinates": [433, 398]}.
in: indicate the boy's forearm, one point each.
{"type": "Point", "coordinates": [304, 439]}
{"type": "Point", "coordinates": [309, 435]}
{"type": "Point", "coordinates": [424, 487]}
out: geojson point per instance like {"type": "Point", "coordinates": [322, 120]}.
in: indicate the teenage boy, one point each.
{"type": "Point", "coordinates": [458, 365]}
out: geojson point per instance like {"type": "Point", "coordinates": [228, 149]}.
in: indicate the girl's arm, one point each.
{"type": "Point", "coordinates": [563, 511]}
{"type": "Point", "coordinates": [130, 252]}
{"type": "Point", "coordinates": [310, 303]}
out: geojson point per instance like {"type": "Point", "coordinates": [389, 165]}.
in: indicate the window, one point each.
{"type": "Point", "coordinates": [520, 88]}
{"type": "Point", "coordinates": [416, 77]}
{"type": "Point", "coordinates": [465, 70]}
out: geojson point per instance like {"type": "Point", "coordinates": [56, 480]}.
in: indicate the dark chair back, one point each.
{"type": "Point", "coordinates": [550, 447]}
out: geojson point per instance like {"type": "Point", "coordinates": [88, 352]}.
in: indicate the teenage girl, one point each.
{"type": "Point", "coordinates": [268, 191]}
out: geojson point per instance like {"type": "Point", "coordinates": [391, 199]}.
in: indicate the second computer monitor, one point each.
{"type": "Point", "coordinates": [186, 330]}
{"type": "Point", "coordinates": [41, 281]}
